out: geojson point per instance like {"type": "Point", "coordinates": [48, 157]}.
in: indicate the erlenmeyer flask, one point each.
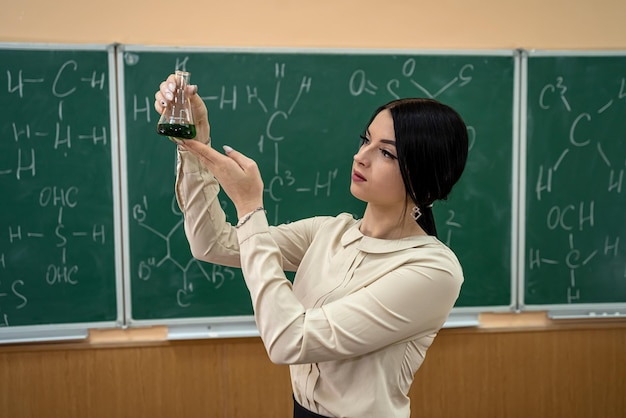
{"type": "Point", "coordinates": [177, 118]}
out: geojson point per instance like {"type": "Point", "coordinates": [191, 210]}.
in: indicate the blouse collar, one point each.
{"type": "Point", "coordinates": [382, 246]}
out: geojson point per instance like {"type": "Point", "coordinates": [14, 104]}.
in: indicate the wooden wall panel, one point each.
{"type": "Point", "coordinates": [574, 373]}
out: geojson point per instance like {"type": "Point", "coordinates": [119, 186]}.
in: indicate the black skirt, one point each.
{"type": "Point", "coordinates": [301, 412]}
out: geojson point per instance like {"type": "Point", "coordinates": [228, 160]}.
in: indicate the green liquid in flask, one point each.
{"type": "Point", "coordinates": [177, 130]}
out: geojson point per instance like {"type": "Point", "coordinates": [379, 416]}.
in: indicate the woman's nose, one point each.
{"type": "Point", "coordinates": [360, 156]}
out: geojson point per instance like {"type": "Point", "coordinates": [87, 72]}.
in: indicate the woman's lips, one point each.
{"type": "Point", "coordinates": [356, 176]}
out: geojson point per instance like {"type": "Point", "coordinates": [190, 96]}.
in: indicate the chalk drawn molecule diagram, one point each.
{"type": "Point", "coordinates": [577, 216]}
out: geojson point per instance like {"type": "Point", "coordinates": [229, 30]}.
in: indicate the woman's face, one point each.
{"type": "Point", "coordinates": [376, 177]}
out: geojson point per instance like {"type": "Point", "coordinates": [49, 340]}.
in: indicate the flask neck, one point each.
{"type": "Point", "coordinates": [182, 78]}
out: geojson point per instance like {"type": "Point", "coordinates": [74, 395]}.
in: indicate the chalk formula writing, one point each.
{"type": "Point", "coordinates": [170, 243]}
{"type": "Point", "coordinates": [576, 193]}
{"type": "Point", "coordinates": [276, 111]}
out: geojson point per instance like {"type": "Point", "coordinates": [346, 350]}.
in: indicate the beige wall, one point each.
{"type": "Point", "coordinates": [442, 24]}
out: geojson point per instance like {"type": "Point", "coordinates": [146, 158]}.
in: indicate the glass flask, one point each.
{"type": "Point", "coordinates": [177, 118]}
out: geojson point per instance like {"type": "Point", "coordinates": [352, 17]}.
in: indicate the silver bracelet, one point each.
{"type": "Point", "coordinates": [249, 215]}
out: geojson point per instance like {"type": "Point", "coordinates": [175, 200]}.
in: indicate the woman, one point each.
{"type": "Point", "coordinates": [369, 295]}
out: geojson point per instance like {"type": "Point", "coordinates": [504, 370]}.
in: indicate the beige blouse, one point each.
{"type": "Point", "coordinates": [361, 313]}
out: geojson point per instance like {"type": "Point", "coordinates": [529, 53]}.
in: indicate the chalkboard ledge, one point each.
{"type": "Point", "coordinates": [541, 321]}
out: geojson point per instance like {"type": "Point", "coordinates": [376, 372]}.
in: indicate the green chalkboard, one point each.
{"type": "Point", "coordinates": [575, 218]}
{"type": "Point", "coordinates": [58, 260]}
{"type": "Point", "coordinates": [299, 115]}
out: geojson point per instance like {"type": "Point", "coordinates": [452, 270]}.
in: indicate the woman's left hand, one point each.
{"type": "Point", "coordinates": [238, 175]}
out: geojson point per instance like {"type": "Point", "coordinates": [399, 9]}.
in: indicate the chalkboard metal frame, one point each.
{"type": "Point", "coordinates": [554, 310]}
{"type": "Point", "coordinates": [80, 330]}
{"type": "Point", "coordinates": [234, 326]}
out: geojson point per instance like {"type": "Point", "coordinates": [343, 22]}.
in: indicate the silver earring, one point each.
{"type": "Point", "coordinates": [416, 212]}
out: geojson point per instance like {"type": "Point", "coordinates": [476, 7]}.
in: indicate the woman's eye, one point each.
{"type": "Point", "coordinates": [387, 154]}
{"type": "Point", "coordinates": [363, 140]}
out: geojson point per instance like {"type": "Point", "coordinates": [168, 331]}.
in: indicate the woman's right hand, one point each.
{"type": "Point", "coordinates": [165, 95]}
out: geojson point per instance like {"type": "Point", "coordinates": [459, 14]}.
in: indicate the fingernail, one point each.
{"type": "Point", "coordinates": [169, 95]}
{"type": "Point", "coordinates": [171, 86]}
{"type": "Point", "coordinates": [163, 103]}
{"type": "Point", "coordinates": [177, 140]}
{"type": "Point", "coordinates": [227, 149]}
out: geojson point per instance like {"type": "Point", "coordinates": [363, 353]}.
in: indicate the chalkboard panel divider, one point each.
{"type": "Point", "coordinates": [117, 183]}
{"type": "Point", "coordinates": [121, 118]}
{"type": "Point", "coordinates": [519, 208]}
{"type": "Point", "coordinates": [517, 179]}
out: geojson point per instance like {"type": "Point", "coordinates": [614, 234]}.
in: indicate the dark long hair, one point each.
{"type": "Point", "coordinates": [432, 146]}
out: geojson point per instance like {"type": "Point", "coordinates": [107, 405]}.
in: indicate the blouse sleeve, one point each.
{"type": "Point", "coordinates": [407, 303]}
{"type": "Point", "coordinates": [211, 237]}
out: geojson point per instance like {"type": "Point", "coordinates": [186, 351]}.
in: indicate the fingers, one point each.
{"type": "Point", "coordinates": [165, 94]}
{"type": "Point", "coordinates": [246, 163]}
{"type": "Point", "coordinates": [237, 174]}
{"type": "Point", "coordinates": [197, 148]}
{"type": "Point", "coordinates": [207, 155]}
{"type": "Point", "coordinates": [215, 160]}
{"type": "Point", "coordinates": [159, 102]}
